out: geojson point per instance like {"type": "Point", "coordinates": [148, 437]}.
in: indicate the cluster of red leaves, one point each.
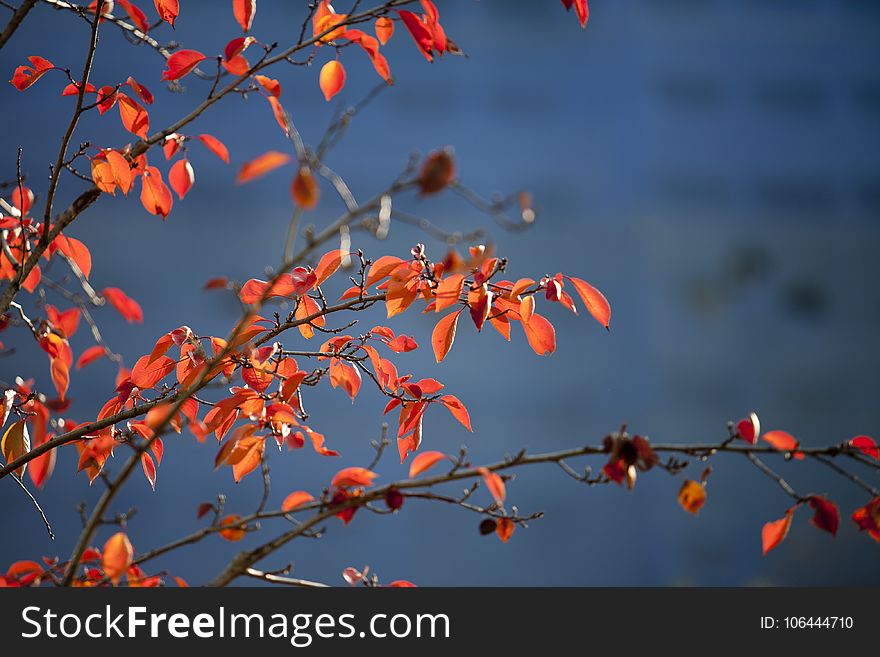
{"type": "Point", "coordinates": [100, 567]}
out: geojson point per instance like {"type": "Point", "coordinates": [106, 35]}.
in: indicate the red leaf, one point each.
{"type": "Point", "coordinates": [155, 195]}
{"type": "Point", "coordinates": [181, 63]}
{"type": "Point", "coordinates": [181, 177]}
{"type": "Point", "coordinates": [90, 355]}
{"type": "Point", "coordinates": [749, 428]}
{"type": "Point", "coordinates": [135, 15]}
{"type": "Point", "coordinates": [60, 372]}
{"type": "Point", "coordinates": [504, 529]}
{"type": "Point", "coordinates": [331, 79]}
{"type": "Point", "coordinates": [419, 32]}
{"type": "Point", "coordinates": [25, 76]}
{"type": "Point", "coordinates": [438, 170]}
{"type": "Point", "coordinates": [826, 516]}
{"type": "Point", "coordinates": [444, 335]}
{"type": "Point", "coordinates": [125, 305]}
{"type": "Point", "coordinates": [596, 303]}
{"type": "Point", "coordinates": [168, 10]}
{"type": "Point", "coordinates": [149, 469]}
{"type": "Point", "coordinates": [775, 532]}
{"type": "Point", "coordinates": [867, 446]}
{"type": "Point", "coordinates": [280, 115]}
{"type": "Point", "coordinates": [261, 165]}
{"type": "Point", "coordinates": [215, 146]}
{"type": "Point", "coordinates": [142, 92]}
{"type": "Point", "coordinates": [424, 461]}
{"type": "Point", "coordinates": [244, 11]}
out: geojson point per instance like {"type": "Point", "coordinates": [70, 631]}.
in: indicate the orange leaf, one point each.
{"type": "Point", "coordinates": [348, 477]}
{"type": "Point", "coordinates": [332, 79]}
{"type": "Point", "coordinates": [458, 410]}
{"type": "Point", "coordinates": [540, 334]}
{"type": "Point", "coordinates": [596, 303]}
{"type": "Point", "coordinates": [216, 146]}
{"type": "Point", "coordinates": [244, 11]}
{"type": "Point", "coordinates": [117, 556]}
{"type": "Point", "coordinates": [140, 90]}
{"type": "Point", "coordinates": [271, 85]}
{"type": "Point", "coordinates": [305, 189]}
{"type": "Point", "coordinates": [784, 442]}
{"type": "Point", "coordinates": [181, 177]}
{"type": "Point", "coordinates": [76, 251]}
{"type": "Point", "coordinates": [60, 376]}
{"type": "Point", "coordinates": [134, 117]}
{"type": "Point", "coordinates": [773, 533]}
{"type": "Point", "coordinates": [121, 170]}
{"type": "Point", "coordinates": [102, 175]}
{"type": "Point", "coordinates": [168, 10]}
{"type": "Point", "coordinates": [41, 468]}
{"type": "Point", "coordinates": [295, 499]}
{"type": "Point", "coordinates": [494, 483]}
{"type": "Point", "coordinates": [306, 308]}
{"type": "Point", "coordinates": [504, 529]}
{"type": "Point", "coordinates": [448, 291]}
{"type": "Point", "coordinates": [125, 305]}
{"type": "Point", "coordinates": [261, 165]}
{"type": "Point", "coordinates": [424, 461]}
{"type": "Point", "coordinates": [384, 29]}
{"type": "Point", "coordinates": [444, 335]}
{"type": "Point", "coordinates": [692, 496]}
{"type": "Point", "coordinates": [382, 268]}
{"type": "Point", "coordinates": [232, 533]}
{"type": "Point", "coordinates": [155, 195]}
{"type": "Point", "coordinates": [328, 264]}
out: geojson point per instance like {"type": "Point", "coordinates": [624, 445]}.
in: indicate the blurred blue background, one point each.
{"type": "Point", "coordinates": [711, 165]}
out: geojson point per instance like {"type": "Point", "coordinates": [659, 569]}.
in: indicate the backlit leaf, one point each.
{"type": "Point", "coordinates": [261, 165]}
{"type": "Point", "coordinates": [443, 335]}
{"type": "Point", "coordinates": [424, 461]}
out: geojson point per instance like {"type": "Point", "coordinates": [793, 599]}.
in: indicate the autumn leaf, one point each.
{"type": "Point", "coordinates": [448, 291]}
{"type": "Point", "coordinates": [784, 442]}
{"type": "Point", "coordinates": [867, 446]}
{"type": "Point", "coordinates": [16, 442]}
{"type": "Point", "coordinates": [504, 529]}
{"type": "Point", "coordinates": [349, 477]}
{"type": "Point", "coordinates": [60, 374]}
{"type": "Point", "coordinates": [581, 8]}
{"type": "Point", "coordinates": [216, 146]}
{"type": "Point", "coordinates": [494, 483]}
{"type": "Point", "coordinates": [25, 76]}
{"type": "Point", "coordinates": [181, 177]}
{"type": "Point", "coordinates": [305, 190]}
{"type": "Point", "coordinates": [328, 264]}
{"type": "Point", "coordinates": [168, 10]}
{"type": "Point", "coordinates": [458, 410]}
{"type": "Point", "coordinates": [384, 29]}
{"type": "Point", "coordinates": [826, 515]}
{"type": "Point", "coordinates": [261, 165]}
{"type": "Point", "coordinates": [140, 90]}
{"type": "Point", "coordinates": [155, 195]}
{"type": "Point", "coordinates": [438, 171]}
{"type": "Point", "coordinates": [181, 63]}
{"type": "Point", "coordinates": [749, 428]}
{"type": "Point", "coordinates": [596, 303]}
{"type": "Point", "coordinates": [76, 251]}
{"type": "Point", "coordinates": [147, 372]}
{"type": "Point", "coordinates": [419, 32]}
{"type": "Point", "coordinates": [117, 556]}
{"type": "Point", "coordinates": [331, 79]}
{"type": "Point", "coordinates": [296, 499]}
{"type": "Point", "coordinates": [134, 117]}
{"type": "Point", "coordinates": [234, 530]}
{"type": "Point", "coordinates": [125, 305]}
{"type": "Point", "coordinates": [444, 335]}
{"type": "Point", "coordinates": [135, 15]}
{"type": "Point", "coordinates": [90, 355]}
{"type": "Point", "coordinates": [692, 496]}
{"type": "Point", "coordinates": [540, 334]}
{"type": "Point", "coordinates": [424, 461]}
{"type": "Point", "coordinates": [244, 11]}
{"type": "Point", "coordinates": [773, 533]}
{"type": "Point", "coordinates": [149, 469]}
